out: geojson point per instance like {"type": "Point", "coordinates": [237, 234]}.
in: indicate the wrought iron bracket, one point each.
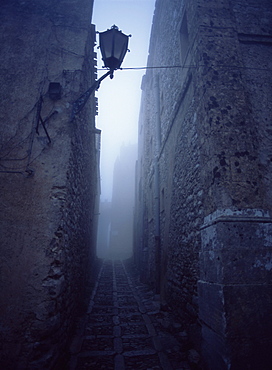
{"type": "Point", "coordinates": [82, 100]}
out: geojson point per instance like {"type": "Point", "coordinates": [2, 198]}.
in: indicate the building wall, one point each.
{"type": "Point", "coordinates": [48, 183]}
{"type": "Point", "coordinates": [103, 235]}
{"type": "Point", "coordinates": [165, 94]}
{"type": "Point", "coordinates": [203, 202]}
{"type": "Point", "coordinates": [121, 229]}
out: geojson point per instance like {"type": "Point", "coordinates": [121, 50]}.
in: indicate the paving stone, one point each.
{"type": "Point", "coordinates": [98, 330]}
{"type": "Point", "coordinates": [165, 363]}
{"type": "Point", "coordinates": [96, 344]}
{"type": "Point", "coordinates": [119, 362]}
{"type": "Point", "coordinates": [131, 318]}
{"type": "Point", "coordinates": [100, 319]}
{"type": "Point", "coordinates": [118, 345]}
{"type": "Point", "coordinates": [157, 343]}
{"type": "Point", "coordinates": [135, 329]}
{"type": "Point", "coordinates": [151, 329]}
{"type": "Point", "coordinates": [137, 344]}
{"type": "Point", "coordinates": [95, 362]}
{"type": "Point", "coordinates": [123, 311]}
{"type": "Point", "coordinates": [124, 328]}
{"type": "Point", "coordinates": [142, 361]}
{"type": "Point", "coordinates": [117, 331]}
{"type": "Point", "coordinates": [116, 320]}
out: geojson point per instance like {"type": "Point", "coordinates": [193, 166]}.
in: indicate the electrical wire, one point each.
{"type": "Point", "coordinates": [191, 66]}
{"type": "Point", "coordinates": [26, 171]}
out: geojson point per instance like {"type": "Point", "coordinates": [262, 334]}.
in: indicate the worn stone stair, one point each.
{"type": "Point", "coordinates": [125, 329]}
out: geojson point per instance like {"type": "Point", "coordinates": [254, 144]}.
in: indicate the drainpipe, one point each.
{"type": "Point", "coordinates": [157, 184]}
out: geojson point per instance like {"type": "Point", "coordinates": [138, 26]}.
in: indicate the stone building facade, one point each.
{"type": "Point", "coordinates": [123, 189]}
{"type": "Point", "coordinates": [203, 226]}
{"type": "Point", "coordinates": [48, 177]}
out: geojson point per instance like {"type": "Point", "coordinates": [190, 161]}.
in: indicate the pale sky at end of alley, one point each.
{"type": "Point", "coordinates": [119, 98]}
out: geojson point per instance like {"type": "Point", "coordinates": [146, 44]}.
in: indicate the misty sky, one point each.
{"type": "Point", "coordinates": [119, 98]}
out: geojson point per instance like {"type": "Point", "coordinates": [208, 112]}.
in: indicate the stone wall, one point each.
{"type": "Point", "coordinates": [48, 177]}
{"type": "Point", "coordinates": [205, 125]}
{"type": "Point", "coordinates": [167, 130]}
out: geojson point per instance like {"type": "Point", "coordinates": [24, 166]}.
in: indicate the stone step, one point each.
{"type": "Point", "coordinates": [124, 327]}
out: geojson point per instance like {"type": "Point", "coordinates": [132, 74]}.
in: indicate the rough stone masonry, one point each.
{"type": "Point", "coordinates": [48, 182]}
{"type": "Point", "coordinates": [203, 199]}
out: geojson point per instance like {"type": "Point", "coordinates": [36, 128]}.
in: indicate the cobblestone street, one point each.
{"type": "Point", "coordinates": [125, 329]}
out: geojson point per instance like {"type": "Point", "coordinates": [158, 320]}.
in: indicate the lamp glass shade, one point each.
{"type": "Point", "coordinates": [113, 46]}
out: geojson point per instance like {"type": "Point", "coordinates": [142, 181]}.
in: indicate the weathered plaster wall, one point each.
{"type": "Point", "coordinates": [213, 108]}
{"type": "Point", "coordinates": [48, 187]}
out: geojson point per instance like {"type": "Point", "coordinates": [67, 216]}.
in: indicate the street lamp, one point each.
{"type": "Point", "coordinates": [113, 45]}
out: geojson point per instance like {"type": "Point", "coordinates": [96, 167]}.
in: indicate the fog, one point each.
{"type": "Point", "coordinates": [116, 217]}
{"type": "Point", "coordinates": [118, 111]}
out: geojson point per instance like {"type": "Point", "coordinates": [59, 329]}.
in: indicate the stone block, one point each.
{"type": "Point", "coordinates": [237, 266]}
{"type": "Point", "coordinates": [211, 306]}
{"type": "Point", "coordinates": [248, 312]}
{"type": "Point", "coordinates": [229, 336]}
{"type": "Point", "coordinates": [214, 350]}
{"type": "Point", "coordinates": [227, 229]}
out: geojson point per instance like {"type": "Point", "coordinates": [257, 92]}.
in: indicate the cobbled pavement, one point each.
{"type": "Point", "coordinates": [125, 329]}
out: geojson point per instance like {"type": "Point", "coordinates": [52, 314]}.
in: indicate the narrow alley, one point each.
{"type": "Point", "coordinates": [125, 329]}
